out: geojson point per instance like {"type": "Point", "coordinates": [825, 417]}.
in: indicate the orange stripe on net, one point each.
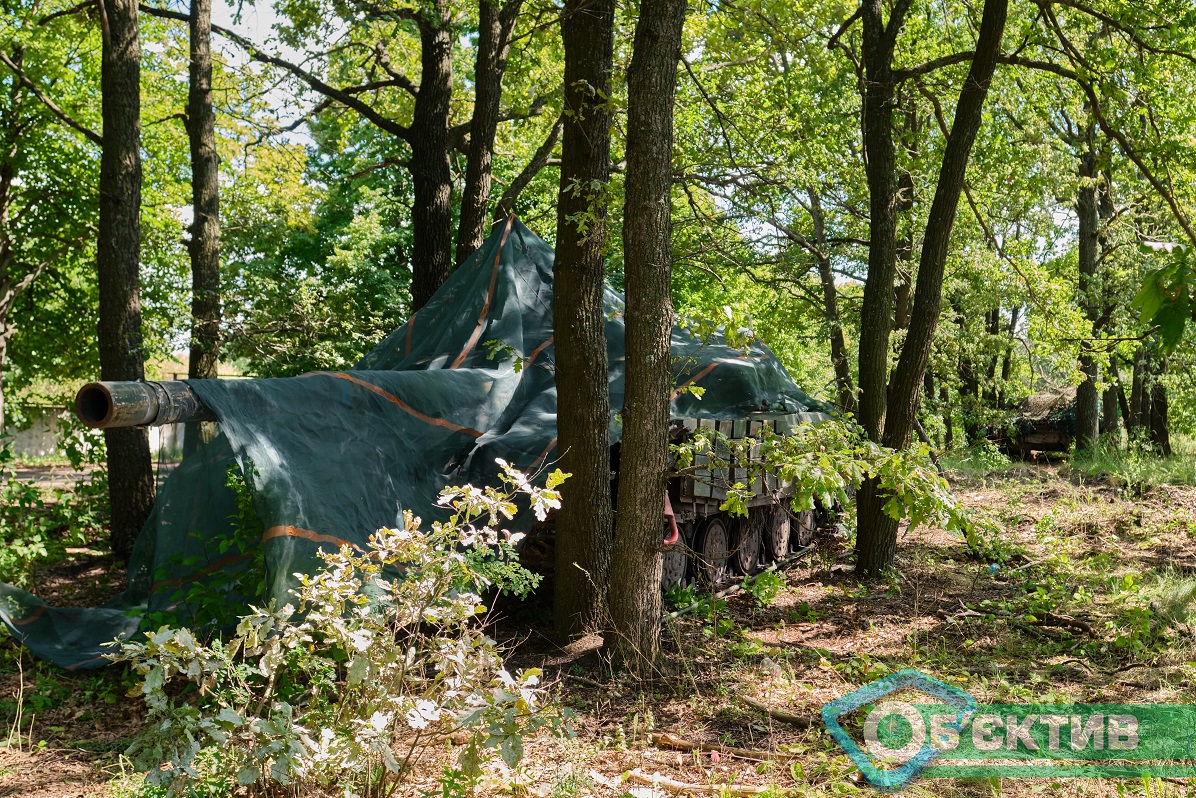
{"type": "Point", "coordinates": [84, 662]}
{"type": "Point", "coordinates": [231, 559]}
{"type": "Point", "coordinates": [369, 386]}
{"type": "Point", "coordinates": [692, 380]}
{"type": "Point", "coordinates": [477, 331]}
{"type": "Point", "coordinates": [306, 534]}
{"type": "Point", "coordinates": [410, 324]}
{"type": "Point", "coordinates": [536, 352]}
{"type": "Point", "coordinates": [31, 617]}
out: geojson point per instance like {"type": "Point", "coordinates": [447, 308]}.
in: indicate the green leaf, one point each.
{"type": "Point", "coordinates": [1150, 298]}
{"type": "Point", "coordinates": [1171, 319]}
{"type": "Point", "coordinates": [511, 750]}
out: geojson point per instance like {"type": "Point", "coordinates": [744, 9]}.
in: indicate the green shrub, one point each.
{"type": "Point", "coordinates": [379, 656]}
{"type": "Point", "coordinates": [35, 527]}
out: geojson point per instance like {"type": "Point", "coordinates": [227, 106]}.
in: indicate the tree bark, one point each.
{"type": "Point", "coordinates": [905, 207]}
{"type": "Point", "coordinates": [1087, 409]}
{"type": "Point", "coordinates": [205, 199]}
{"type": "Point", "coordinates": [1007, 360]}
{"type": "Point", "coordinates": [969, 384]}
{"type": "Point", "coordinates": [945, 403]}
{"type": "Point", "coordinates": [877, 535]}
{"type": "Point", "coordinates": [1122, 404]}
{"type": "Point", "coordinates": [431, 171]}
{"type": "Point", "coordinates": [876, 315]}
{"type": "Point", "coordinates": [1108, 406]}
{"type": "Point", "coordinates": [130, 472]}
{"type": "Point", "coordinates": [830, 305]}
{"type": "Point", "coordinates": [992, 326]}
{"type": "Point", "coordinates": [8, 293]}
{"type": "Point", "coordinates": [583, 526]}
{"type": "Point", "coordinates": [1138, 420]}
{"type": "Point", "coordinates": [3, 360]}
{"type": "Point", "coordinates": [1160, 434]}
{"type": "Point", "coordinates": [205, 204]}
{"type": "Point", "coordinates": [495, 26]}
{"type": "Point", "coordinates": [635, 605]}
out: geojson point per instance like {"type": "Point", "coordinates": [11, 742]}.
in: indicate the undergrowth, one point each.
{"type": "Point", "coordinates": [377, 661]}
{"type": "Point", "coordinates": [36, 525]}
{"type": "Point", "coordinates": [1139, 465]}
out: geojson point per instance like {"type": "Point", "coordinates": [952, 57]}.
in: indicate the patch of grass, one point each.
{"type": "Point", "coordinates": [41, 460]}
{"type": "Point", "coordinates": [1139, 466]}
{"type": "Point", "coordinates": [978, 461]}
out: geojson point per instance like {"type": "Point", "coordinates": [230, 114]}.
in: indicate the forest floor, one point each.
{"type": "Point", "coordinates": [1091, 600]}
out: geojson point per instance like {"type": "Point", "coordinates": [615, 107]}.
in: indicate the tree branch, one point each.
{"type": "Point", "coordinates": [1123, 143]}
{"type": "Point", "coordinates": [932, 65]}
{"type": "Point", "coordinates": [506, 203]}
{"type": "Point", "coordinates": [1117, 25]}
{"type": "Point", "coordinates": [62, 115]}
{"type": "Point", "coordinates": [66, 12]}
{"type": "Point", "coordinates": [843, 28]}
{"type": "Point", "coordinates": [343, 96]}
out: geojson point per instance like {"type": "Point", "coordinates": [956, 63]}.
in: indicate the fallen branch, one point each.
{"type": "Point", "coordinates": [780, 715]}
{"type": "Point", "coordinates": [1051, 619]}
{"type": "Point", "coordinates": [672, 785]}
{"type": "Point", "coordinates": [586, 681]}
{"type": "Point", "coordinates": [666, 740]}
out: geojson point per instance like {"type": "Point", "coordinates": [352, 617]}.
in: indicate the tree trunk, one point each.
{"type": "Point", "coordinates": [205, 199]}
{"type": "Point", "coordinates": [929, 398]}
{"type": "Point", "coordinates": [877, 535]}
{"type": "Point", "coordinates": [8, 292]}
{"type": "Point", "coordinates": [1108, 408]}
{"type": "Point", "coordinates": [1122, 404]}
{"type": "Point", "coordinates": [945, 403]}
{"type": "Point", "coordinates": [205, 203]}
{"type": "Point", "coordinates": [1160, 434]}
{"type": "Point", "coordinates": [1007, 361]}
{"type": "Point", "coordinates": [1138, 420]}
{"type": "Point", "coordinates": [905, 207]}
{"type": "Point", "coordinates": [830, 306]}
{"type": "Point", "coordinates": [3, 360]}
{"type": "Point", "coordinates": [431, 174]}
{"type": "Point", "coordinates": [969, 384]}
{"type": "Point", "coordinates": [876, 315]}
{"type": "Point", "coordinates": [130, 472]}
{"type": "Point", "coordinates": [992, 325]}
{"type": "Point", "coordinates": [583, 525]}
{"type": "Point", "coordinates": [494, 45]}
{"type": "Point", "coordinates": [1087, 409]}
{"type": "Point", "coordinates": [647, 246]}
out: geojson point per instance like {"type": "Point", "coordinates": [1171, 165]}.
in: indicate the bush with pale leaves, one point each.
{"type": "Point", "coordinates": [379, 655]}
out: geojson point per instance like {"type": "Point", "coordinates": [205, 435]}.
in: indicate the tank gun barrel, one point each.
{"type": "Point", "coordinates": [104, 405]}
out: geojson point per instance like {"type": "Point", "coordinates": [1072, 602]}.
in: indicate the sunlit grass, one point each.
{"type": "Point", "coordinates": [1138, 465]}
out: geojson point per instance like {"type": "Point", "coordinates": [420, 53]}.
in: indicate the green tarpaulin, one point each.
{"type": "Point", "coordinates": [333, 456]}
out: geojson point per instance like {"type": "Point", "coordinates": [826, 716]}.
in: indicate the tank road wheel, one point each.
{"type": "Point", "coordinates": [775, 521]}
{"type": "Point", "coordinates": [745, 546]}
{"type": "Point", "coordinates": [676, 561]}
{"type": "Point", "coordinates": [711, 551]}
{"type": "Point", "coordinates": [807, 528]}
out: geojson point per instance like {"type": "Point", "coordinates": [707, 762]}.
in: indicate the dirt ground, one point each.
{"type": "Point", "coordinates": [1084, 596]}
